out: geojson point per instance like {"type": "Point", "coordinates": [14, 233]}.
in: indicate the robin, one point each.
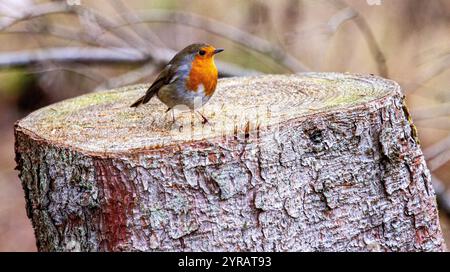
{"type": "Point", "coordinates": [189, 79]}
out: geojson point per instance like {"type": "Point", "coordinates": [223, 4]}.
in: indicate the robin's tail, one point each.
{"type": "Point", "coordinates": [138, 102]}
{"type": "Point", "coordinates": [148, 95]}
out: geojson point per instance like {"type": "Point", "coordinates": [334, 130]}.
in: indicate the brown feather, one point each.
{"type": "Point", "coordinates": [163, 78]}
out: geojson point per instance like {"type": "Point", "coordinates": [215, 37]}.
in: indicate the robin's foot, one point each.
{"type": "Point", "coordinates": [176, 126]}
{"type": "Point", "coordinates": [204, 119]}
{"type": "Point", "coordinates": [173, 123]}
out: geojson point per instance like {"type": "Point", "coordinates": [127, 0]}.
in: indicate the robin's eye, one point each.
{"type": "Point", "coordinates": [202, 52]}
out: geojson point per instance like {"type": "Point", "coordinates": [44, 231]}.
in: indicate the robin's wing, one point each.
{"type": "Point", "coordinates": [166, 76]}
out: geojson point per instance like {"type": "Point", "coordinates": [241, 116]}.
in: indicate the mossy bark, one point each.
{"type": "Point", "coordinates": [332, 163]}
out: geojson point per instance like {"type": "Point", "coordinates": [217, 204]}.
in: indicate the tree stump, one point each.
{"type": "Point", "coordinates": [308, 162]}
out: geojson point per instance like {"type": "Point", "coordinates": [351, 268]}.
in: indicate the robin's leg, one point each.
{"type": "Point", "coordinates": [173, 114]}
{"type": "Point", "coordinates": [205, 120]}
{"type": "Point", "coordinates": [174, 119]}
{"type": "Point", "coordinates": [174, 123]}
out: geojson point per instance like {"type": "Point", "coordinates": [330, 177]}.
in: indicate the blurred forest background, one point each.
{"type": "Point", "coordinates": [53, 50]}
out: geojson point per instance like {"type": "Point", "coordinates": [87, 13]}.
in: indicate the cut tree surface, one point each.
{"type": "Point", "coordinates": [316, 161]}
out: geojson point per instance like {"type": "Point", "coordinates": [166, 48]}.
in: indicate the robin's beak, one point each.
{"type": "Point", "coordinates": [218, 50]}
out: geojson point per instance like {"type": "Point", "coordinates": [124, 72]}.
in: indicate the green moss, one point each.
{"type": "Point", "coordinates": [128, 116]}
{"type": "Point", "coordinates": [92, 99]}
{"type": "Point", "coordinates": [347, 99]}
{"type": "Point", "coordinates": [414, 132]}
{"type": "Point", "coordinates": [163, 4]}
{"type": "Point", "coordinates": [341, 100]}
{"type": "Point", "coordinates": [321, 81]}
{"type": "Point", "coordinates": [58, 112]}
{"type": "Point", "coordinates": [245, 226]}
{"type": "Point", "coordinates": [14, 81]}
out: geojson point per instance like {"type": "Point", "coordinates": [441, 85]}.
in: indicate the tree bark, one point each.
{"type": "Point", "coordinates": [308, 162]}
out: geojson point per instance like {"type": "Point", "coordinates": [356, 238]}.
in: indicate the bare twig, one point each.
{"type": "Point", "coordinates": [122, 52]}
{"type": "Point", "coordinates": [107, 25]}
{"type": "Point", "coordinates": [226, 69]}
{"type": "Point", "coordinates": [373, 45]}
{"type": "Point", "coordinates": [435, 149]}
{"type": "Point", "coordinates": [71, 34]}
{"type": "Point", "coordinates": [36, 11]}
{"type": "Point", "coordinates": [76, 69]}
{"type": "Point", "coordinates": [11, 8]}
{"type": "Point", "coordinates": [46, 9]}
{"type": "Point", "coordinates": [367, 32]}
{"type": "Point", "coordinates": [72, 54]}
{"type": "Point", "coordinates": [93, 30]}
{"type": "Point", "coordinates": [65, 33]}
{"type": "Point", "coordinates": [327, 29]}
{"type": "Point", "coordinates": [432, 54]}
{"type": "Point", "coordinates": [147, 36]}
{"type": "Point", "coordinates": [438, 123]}
{"type": "Point", "coordinates": [442, 194]}
{"type": "Point", "coordinates": [230, 69]}
{"type": "Point", "coordinates": [341, 17]}
{"type": "Point", "coordinates": [89, 55]}
{"type": "Point", "coordinates": [236, 35]}
{"type": "Point", "coordinates": [439, 160]}
{"type": "Point", "coordinates": [431, 112]}
{"type": "Point", "coordinates": [128, 78]}
{"type": "Point", "coordinates": [83, 12]}
{"type": "Point", "coordinates": [433, 72]}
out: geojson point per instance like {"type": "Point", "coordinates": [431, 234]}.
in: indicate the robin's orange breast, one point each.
{"type": "Point", "coordinates": [203, 71]}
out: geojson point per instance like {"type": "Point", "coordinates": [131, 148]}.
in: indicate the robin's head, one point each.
{"type": "Point", "coordinates": [199, 52]}
{"type": "Point", "coordinates": [207, 51]}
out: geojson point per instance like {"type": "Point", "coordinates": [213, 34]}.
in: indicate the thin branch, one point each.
{"type": "Point", "coordinates": [326, 29]}
{"type": "Point", "coordinates": [341, 17]}
{"type": "Point", "coordinates": [432, 54]}
{"type": "Point", "coordinates": [69, 34]}
{"type": "Point", "coordinates": [64, 33]}
{"type": "Point", "coordinates": [442, 194]}
{"type": "Point", "coordinates": [11, 9]}
{"type": "Point", "coordinates": [438, 123]}
{"type": "Point", "coordinates": [71, 54]}
{"type": "Point", "coordinates": [227, 69]}
{"type": "Point", "coordinates": [373, 45]}
{"type": "Point", "coordinates": [439, 161]}
{"type": "Point", "coordinates": [430, 74]}
{"type": "Point", "coordinates": [435, 149]}
{"type": "Point", "coordinates": [128, 78]}
{"type": "Point", "coordinates": [158, 56]}
{"type": "Point", "coordinates": [107, 25]}
{"type": "Point", "coordinates": [89, 55]}
{"type": "Point", "coordinates": [226, 31]}
{"type": "Point", "coordinates": [145, 34]}
{"type": "Point", "coordinates": [161, 56]}
{"type": "Point", "coordinates": [46, 9]}
{"type": "Point", "coordinates": [92, 75]}
{"type": "Point", "coordinates": [36, 11]}
{"type": "Point", "coordinates": [368, 35]}
{"type": "Point", "coordinates": [431, 112]}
